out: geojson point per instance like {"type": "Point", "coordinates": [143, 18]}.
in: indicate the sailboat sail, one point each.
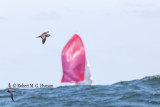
{"type": "Point", "coordinates": [88, 79]}
{"type": "Point", "coordinates": [75, 67]}
{"type": "Point", "coordinates": [73, 60]}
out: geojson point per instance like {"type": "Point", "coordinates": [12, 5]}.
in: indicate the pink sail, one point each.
{"type": "Point", "coordinates": [73, 60]}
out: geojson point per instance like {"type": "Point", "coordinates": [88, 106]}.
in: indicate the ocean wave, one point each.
{"type": "Point", "coordinates": [144, 92]}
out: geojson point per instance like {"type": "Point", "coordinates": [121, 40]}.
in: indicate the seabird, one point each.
{"type": "Point", "coordinates": [10, 91]}
{"type": "Point", "coordinates": [43, 36]}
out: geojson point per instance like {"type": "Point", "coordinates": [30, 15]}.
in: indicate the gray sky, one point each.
{"type": "Point", "coordinates": [121, 39]}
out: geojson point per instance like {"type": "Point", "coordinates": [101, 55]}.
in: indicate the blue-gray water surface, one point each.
{"type": "Point", "coordinates": [137, 93]}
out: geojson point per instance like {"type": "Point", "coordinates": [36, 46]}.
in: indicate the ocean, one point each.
{"type": "Point", "coordinates": [143, 92]}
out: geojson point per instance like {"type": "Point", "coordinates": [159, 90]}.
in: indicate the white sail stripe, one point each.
{"type": "Point", "coordinates": [88, 79]}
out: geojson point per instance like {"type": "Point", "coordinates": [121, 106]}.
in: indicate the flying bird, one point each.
{"type": "Point", "coordinates": [44, 36]}
{"type": "Point", "coordinates": [10, 91]}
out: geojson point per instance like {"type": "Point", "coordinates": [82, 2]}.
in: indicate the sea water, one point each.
{"type": "Point", "coordinates": [137, 93]}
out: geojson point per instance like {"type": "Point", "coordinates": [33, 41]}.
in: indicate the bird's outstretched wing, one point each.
{"type": "Point", "coordinates": [9, 85]}
{"type": "Point", "coordinates": [38, 36]}
{"type": "Point", "coordinates": [12, 96]}
{"type": "Point", "coordinates": [47, 35]}
{"type": "Point", "coordinates": [45, 32]}
{"type": "Point", "coordinates": [43, 40]}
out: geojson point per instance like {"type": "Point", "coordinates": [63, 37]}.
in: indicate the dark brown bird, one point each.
{"type": "Point", "coordinates": [10, 91]}
{"type": "Point", "coordinates": [43, 36]}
